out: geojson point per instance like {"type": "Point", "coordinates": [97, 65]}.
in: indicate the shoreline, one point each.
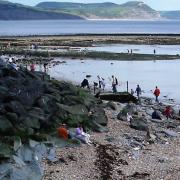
{"type": "Point", "coordinates": [96, 55]}
{"type": "Point", "coordinates": [93, 34]}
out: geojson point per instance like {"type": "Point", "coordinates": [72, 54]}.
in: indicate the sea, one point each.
{"type": "Point", "coordinates": [64, 27]}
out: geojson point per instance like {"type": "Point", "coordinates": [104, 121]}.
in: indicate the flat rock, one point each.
{"type": "Point", "coordinates": [171, 133]}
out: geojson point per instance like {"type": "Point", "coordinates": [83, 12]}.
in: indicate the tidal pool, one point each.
{"type": "Point", "coordinates": [139, 49]}
{"type": "Point", "coordinates": [149, 74]}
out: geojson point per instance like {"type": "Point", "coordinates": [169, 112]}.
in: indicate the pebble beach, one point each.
{"type": "Point", "coordinates": [121, 153]}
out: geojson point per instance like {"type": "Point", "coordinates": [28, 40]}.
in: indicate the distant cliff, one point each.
{"type": "Point", "coordinates": [129, 10]}
{"type": "Point", "coordinates": [12, 11]}
{"type": "Point", "coordinates": [66, 10]}
{"type": "Point", "coordinates": [173, 15]}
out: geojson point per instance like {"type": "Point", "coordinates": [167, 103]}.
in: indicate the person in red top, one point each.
{"type": "Point", "coordinates": [32, 67]}
{"type": "Point", "coordinates": [157, 93]}
{"type": "Point", "coordinates": [63, 132]}
{"type": "Point", "coordinates": [168, 112]}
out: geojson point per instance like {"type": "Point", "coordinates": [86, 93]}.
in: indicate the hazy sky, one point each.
{"type": "Point", "coordinates": [156, 4]}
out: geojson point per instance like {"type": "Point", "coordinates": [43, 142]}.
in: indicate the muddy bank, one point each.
{"type": "Point", "coordinates": [89, 40]}
{"type": "Point", "coordinates": [69, 46]}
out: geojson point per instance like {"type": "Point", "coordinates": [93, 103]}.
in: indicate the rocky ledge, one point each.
{"type": "Point", "coordinates": [31, 108]}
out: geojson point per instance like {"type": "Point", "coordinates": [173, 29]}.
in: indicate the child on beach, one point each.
{"type": "Point", "coordinates": [81, 135]}
{"type": "Point", "coordinates": [168, 112]}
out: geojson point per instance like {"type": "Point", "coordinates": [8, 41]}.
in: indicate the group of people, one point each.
{"type": "Point", "coordinates": [138, 92]}
{"type": "Point", "coordinates": [80, 134]}
{"type": "Point", "coordinates": [101, 84]}
{"type": "Point", "coordinates": [14, 64]}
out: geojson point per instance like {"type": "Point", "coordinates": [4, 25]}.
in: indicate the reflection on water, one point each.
{"type": "Point", "coordinates": [148, 74]}
{"type": "Point", "coordinates": [140, 49]}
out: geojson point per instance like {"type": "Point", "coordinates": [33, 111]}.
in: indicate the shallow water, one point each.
{"type": "Point", "coordinates": [149, 74]}
{"type": "Point", "coordinates": [140, 49]}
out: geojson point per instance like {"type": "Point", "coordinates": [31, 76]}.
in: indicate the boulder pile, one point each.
{"type": "Point", "coordinates": [33, 106]}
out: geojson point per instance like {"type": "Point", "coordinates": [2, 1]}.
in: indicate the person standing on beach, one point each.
{"type": "Point", "coordinates": [99, 81]}
{"type": "Point", "coordinates": [45, 67]}
{"type": "Point", "coordinates": [103, 83]}
{"type": "Point", "coordinates": [32, 67]}
{"type": "Point", "coordinates": [132, 92]}
{"type": "Point", "coordinates": [114, 84]}
{"type": "Point", "coordinates": [138, 91]}
{"type": "Point", "coordinates": [157, 93]}
{"type": "Point", "coordinates": [85, 83]}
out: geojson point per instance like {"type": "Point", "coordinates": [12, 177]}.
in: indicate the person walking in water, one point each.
{"type": "Point", "coordinates": [154, 51]}
{"type": "Point", "coordinates": [114, 84]}
{"type": "Point", "coordinates": [157, 93]}
{"type": "Point", "coordinates": [138, 91]}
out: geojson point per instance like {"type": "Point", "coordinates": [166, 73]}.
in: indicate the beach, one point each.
{"type": "Point", "coordinates": [121, 153]}
{"type": "Point", "coordinates": [144, 148]}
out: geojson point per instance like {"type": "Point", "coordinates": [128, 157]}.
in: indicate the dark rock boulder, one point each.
{"type": "Point", "coordinates": [15, 107]}
{"type": "Point", "coordinates": [6, 126]}
{"type": "Point", "coordinates": [139, 123]}
{"type": "Point", "coordinates": [122, 97]}
{"type": "Point", "coordinates": [32, 103]}
{"type": "Point", "coordinates": [130, 109]}
{"type": "Point", "coordinates": [112, 105]}
{"type": "Point", "coordinates": [98, 115]}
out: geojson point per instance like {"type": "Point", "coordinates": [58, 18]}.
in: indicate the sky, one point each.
{"type": "Point", "coordinates": [155, 4]}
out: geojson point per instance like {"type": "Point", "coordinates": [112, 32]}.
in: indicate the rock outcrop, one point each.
{"type": "Point", "coordinates": [33, 106]}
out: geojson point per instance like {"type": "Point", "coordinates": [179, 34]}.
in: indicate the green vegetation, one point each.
{"type": "Point", "coordinates": [133, 10]}
{"type": "Point", "coordinates": [13, 11]}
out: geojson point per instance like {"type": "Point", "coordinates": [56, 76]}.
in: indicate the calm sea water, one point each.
{"type": "Point", "coordinates": [57, 27]}
{"type": "Point", "coordinates": [163, 74]}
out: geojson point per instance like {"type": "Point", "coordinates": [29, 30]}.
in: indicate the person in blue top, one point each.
{"type": "Point", "coordinates": [138, 91]}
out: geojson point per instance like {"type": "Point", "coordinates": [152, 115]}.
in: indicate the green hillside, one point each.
{"type": "Point", "coordinates": [13, 11]}
{"type": "Point", "coordinates": [130, 10]}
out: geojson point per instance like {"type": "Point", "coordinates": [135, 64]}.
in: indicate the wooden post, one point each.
{"type": "Point", "coordinates": [127, 86]}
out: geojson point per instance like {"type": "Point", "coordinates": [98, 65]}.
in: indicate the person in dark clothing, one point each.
{"type": "Point", "coordinates": [45, 67]}
{"type": "Point", "coordinates": [156, 115]}
{"type": "Point", "coordinates": [114, 84]}
{"type": "Point", "coordinates": [85, 83]}
{"type": "Point", "coordinates": [97, 95]}
{"type": "Point", "coordinates": [95, 86]}
{"type": "Point", "coordinates": [138, 91]}
{"type": "Point", "coordinates": [154, 51]}
{"type": "Point", "coordinates": [99, 81]}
